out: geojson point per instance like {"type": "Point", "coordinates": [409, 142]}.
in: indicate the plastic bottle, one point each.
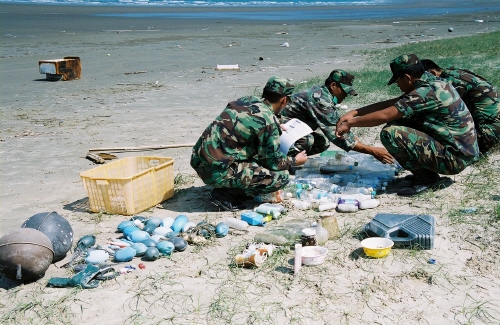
{"type": "Point", "coordinates": [316, 162]}
{"type": "Point", "coordinates": [274, 197]}
{"type": "Point", "coordinates": [302, 205]}
{"type": "Point", "coordinates": [326, 185]}
{"type": "Point", "coordinates": [349, 201]}
{"type": "Point", "coordinates": [321, 234]}
{"type": "Point", "coordinates": [354, 190]}
{"type": "Point", "coordinates": [253, 218]}
{"type": "Point", "coordinates": [271, 208]}
{"type": "Point", "coordinates": [327, 206]}
{"type": "Point", "coordinates": [303, 183]}
{"type": "Point", "coordinates": [302, 194]}
{"type": "Point", "coordinates": [347, 207]}
{"type": "Point", "coordinates": [316, 194]}
{"type": "Point", "coordinates": [369, 204]}
{"type": "Point", "coordinates": [271, 239]}
{"type": "Point", "coordinates": [237, 224]}
{"type": "Point", "coordinates": [359, 197]}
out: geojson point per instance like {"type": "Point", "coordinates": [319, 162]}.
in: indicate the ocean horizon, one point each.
{"type": "Point", "coordinates": [290, 9]}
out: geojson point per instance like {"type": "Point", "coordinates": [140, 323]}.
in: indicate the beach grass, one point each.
{"type": "Point", "coordinates": [478, 53]}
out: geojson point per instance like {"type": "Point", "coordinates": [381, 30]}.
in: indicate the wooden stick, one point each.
{"type": "Point", "coordinates": [144, 148]}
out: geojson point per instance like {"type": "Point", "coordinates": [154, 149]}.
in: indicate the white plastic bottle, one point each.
{"type": "Point", "coordinates": [369, 204]}
{"type": "Point", "coordinates": [237, 224]}
{"type": "Point", "coordinates": [327, 206]}
{"type": "Point", "coordinates": [302, 205]}
{"type": "Point", "coordinates": [347, 208]}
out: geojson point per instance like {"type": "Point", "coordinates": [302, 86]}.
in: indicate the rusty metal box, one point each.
{"type": "Point", "coordinates": [68, 68]}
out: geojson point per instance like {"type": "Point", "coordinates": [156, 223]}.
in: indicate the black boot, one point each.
{"type": "Point", "coordinates": [422, 180]}
{"type": "Point", "coordinates": [226, 198]}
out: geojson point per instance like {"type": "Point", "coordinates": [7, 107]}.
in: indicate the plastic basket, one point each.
{"type": "Point", "coordinates": [129, 185]}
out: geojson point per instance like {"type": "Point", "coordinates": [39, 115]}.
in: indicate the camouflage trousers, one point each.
{"type": "Point", "coordinates": [415, 151]}
{"type": "Point", "coordinates": [488, 135]}
{"type": "Point", "coordinates": [313, 143]}
{"type": "Point", "coordinates": [487, 119]}
{"type": "Point", "coordinates": [249, 177]}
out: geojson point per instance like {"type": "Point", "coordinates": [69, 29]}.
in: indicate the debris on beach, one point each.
{"type": "Point", "coordinates": [338, 180]}
{"type": "Point", "coordinates": [254, 255]}
{"type": "Point", "coordinates": [68, 68]}
{"type": "Point", "coordinates": [227, 67]}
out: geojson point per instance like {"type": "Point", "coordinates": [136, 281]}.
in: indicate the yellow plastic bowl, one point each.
{"type": "Point", "coordinates": [377, 247]}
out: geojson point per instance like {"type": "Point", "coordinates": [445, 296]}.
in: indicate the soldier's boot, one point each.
{"type": "Point", "coordinates": [422, 180]}
{"type": "Point", "coordinates": [225, 199]}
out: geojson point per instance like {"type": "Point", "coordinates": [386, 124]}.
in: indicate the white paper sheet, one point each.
{"type": "Point", "coordinates": [295, 129]}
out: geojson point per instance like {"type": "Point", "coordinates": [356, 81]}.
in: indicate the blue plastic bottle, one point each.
{"type": "Point", "coordinates": [253, 218]}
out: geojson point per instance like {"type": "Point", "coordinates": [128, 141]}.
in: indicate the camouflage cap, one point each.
{"type": "Point", "coordinates": [344, 79]}
{"type": "Point", "coordinates": [400, 64]}
{"type": "Point", "coordinates": [280, 85]}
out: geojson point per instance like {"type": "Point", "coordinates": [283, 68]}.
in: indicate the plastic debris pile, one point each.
{"type": "Point", "coordinates": [338, 180]}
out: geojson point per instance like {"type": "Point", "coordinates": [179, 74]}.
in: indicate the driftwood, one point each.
{"type": "Point", "coordinates": [144, 148]}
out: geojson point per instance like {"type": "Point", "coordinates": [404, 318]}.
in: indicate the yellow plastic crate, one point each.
{"type": "Point", "coordinates": [129, 185]}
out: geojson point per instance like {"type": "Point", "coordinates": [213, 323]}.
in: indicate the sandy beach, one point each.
{"type": "Point", "coordinates": [149, 82]}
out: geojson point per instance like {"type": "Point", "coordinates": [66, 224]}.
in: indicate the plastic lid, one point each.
{"type": "Point", "coordinates": [308, 232]}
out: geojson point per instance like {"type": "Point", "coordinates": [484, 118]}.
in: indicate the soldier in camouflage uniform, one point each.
{"type": "Point", "coordinates": [429, 129]}
{"type": "Point", "coordinates": [316, 107]}
{"type": "Point", "coordinates": [239, 152]}
{"type": "Point", "coordinates": [481, 99]}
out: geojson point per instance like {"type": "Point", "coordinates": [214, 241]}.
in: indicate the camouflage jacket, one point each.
{"type": "Point", "coordinates": [474, 89]}
{"type": "Point", "coordinates": [316, 107]}
{"type": "Point", "coordinates": [246, 130]}
{"type": "Point", "coordinates": [435, 108]}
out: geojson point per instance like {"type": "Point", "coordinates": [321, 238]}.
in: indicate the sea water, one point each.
{"type": "Point", "coordinates": [289, 9]}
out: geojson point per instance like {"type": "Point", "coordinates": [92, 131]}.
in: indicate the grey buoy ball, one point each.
{"type": "Point", "coordinates": [56, 228]}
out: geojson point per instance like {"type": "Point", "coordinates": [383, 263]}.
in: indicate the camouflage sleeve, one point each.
{"type": "Point", "coordinates": [327, 116]}
{"type": "Point", "coordinates": [456, 81]}
{"type": "Point", "coordinates": [269, 154]}
{"type": "Point", "coordinates": [416, 101]}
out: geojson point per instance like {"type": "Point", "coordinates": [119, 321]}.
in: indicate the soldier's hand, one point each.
{"type": "Point", "coordinates": [301, 158]}
{"type": "Point", "coordinates": [342, 129]}
{"type": "Point", "coordinates": [382, 155]}
{"type": "Point", "coordinates": [346, 117]}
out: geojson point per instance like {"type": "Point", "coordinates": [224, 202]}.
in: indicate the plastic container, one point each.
{"type": "Point", "coordinates": [329, 222]}
{"type": "Point", "coordinates": [309, 237]}
{"type": "Point", "coordinates": [253, 218]}
{"type": "Point", "coordinates": [405, 230]}
{"type": "Point", "coordinates": [313, 255]}
{"type": "Point", "coordinates": [321, 234]}
{"type": "Point", "coordinates": [377, 247]}
{"type": "Point", "coordinates": [236, 224]}
{"type": "Point", "coordinates": [129, 185]}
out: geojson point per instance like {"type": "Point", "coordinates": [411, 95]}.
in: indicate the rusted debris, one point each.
{"type": "Point", "coordinates": [68, 68]}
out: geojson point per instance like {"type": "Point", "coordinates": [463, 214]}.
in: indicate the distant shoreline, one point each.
{"type": "Point", "coordinates": [422, 10]}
